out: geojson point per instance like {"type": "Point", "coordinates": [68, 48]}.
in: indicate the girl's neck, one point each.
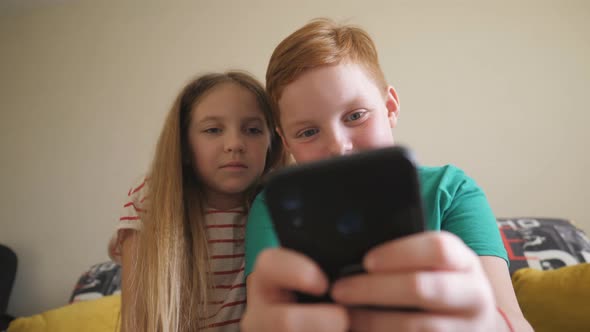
{"type": "Point", "coordinates": [223, 201]}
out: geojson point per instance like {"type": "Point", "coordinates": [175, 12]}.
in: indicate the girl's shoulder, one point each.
{"type": "Point", "coordinates": [139, 188]}
{"type": "Point", "coordinates": [132, 209]}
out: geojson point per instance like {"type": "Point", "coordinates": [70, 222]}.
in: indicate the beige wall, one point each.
{"type": "Point", "coordinates": [498, 88]}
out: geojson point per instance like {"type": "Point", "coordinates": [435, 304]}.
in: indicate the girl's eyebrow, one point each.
{"type": "Point", "coordinates": [210, 118]}
{"type": "Point", "coordinates": [253, 118]}
{"type": "Point", "coordinates": [219, 118]}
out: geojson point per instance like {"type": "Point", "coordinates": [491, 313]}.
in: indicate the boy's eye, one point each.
{"type": "Point", "coordinates": [308, 133]}
{"type": "Point", "coordinates": [354, 116]}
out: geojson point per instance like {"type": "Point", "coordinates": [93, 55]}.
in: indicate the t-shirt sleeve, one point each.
{"type": "Point", "coordinates": [469, 216]}
{"type": "Point", "coordinates": [132, 209]}
{"type": "Point", "coordinates": [260, 233]}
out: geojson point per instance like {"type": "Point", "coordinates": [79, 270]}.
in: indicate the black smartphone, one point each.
{"type": "Point", "coordinates": [336, 210]}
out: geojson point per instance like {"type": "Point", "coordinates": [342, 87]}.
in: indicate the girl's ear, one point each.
{"type": "Point", "coordinates": [185, 155]}
{"type": "Point", "coordinates": [392, 105]}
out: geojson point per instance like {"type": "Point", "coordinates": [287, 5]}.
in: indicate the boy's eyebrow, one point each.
{"type": "Point", "coordinates": [299, 123]}
{"type": "Point", "coordinates": [356, 102]}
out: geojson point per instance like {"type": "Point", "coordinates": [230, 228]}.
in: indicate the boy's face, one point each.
{"type": "Point", "coordinates": [336, 110]}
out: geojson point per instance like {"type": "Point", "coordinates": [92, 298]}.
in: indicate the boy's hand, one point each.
{"type": "Point", "coordinates": [271, 302]}
{"type": "Point", "coordinates": [435, 272]}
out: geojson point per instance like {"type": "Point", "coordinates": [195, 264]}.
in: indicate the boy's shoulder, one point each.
{"type": "Point", "coordinates": [445, 171]}
{"type": "Point", "coordinates": [260, 198]}
{"type": "Point", "coordinates": [447, 178]}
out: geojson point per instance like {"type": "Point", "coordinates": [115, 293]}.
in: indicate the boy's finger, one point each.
{"type": "Point", "coordinates": [423, 251]}
{"type": "Point", "coordinates": [371, 320]}
{"type": "Point", "coordinates": [431, 291]}
{"type": "Point", "coordinates": [280, 270]}
{"type": "Point", "coordinates": [295, 318]}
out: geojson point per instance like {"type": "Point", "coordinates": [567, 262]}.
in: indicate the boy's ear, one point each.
{"type": "Point", "coordinates": [281, 135]}
{"type": "Point", "coordinates": [392, 105]}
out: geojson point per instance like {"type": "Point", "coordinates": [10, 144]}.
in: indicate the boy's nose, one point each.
{"type": "Point", "coordinates": [339, 145]}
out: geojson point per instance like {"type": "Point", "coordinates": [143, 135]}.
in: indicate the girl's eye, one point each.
{"type": "Point", "coordinates": [212, 130]}
{"type": "Point", "coordinates": [308, 133]}
{"type": "Point", "coordinates": [355, 116]}
{"type": "Point", "coordinates": [254, 131]}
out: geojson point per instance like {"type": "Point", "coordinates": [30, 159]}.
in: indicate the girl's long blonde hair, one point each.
{"type": "Point", "coordinates": [170, 278]}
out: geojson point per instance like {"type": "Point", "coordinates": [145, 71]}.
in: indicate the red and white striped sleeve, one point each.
{"type": "Point", "coordinates": [132, 210]}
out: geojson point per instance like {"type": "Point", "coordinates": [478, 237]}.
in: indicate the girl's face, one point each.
{"type": "Point", "coordinates": [229, 139]}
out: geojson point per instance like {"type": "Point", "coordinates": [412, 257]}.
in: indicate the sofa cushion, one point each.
{"type": "Point", "coordinates": [555, 300]}
{"type": "Point", "coordinates": [543, 243]}
{"type": "Point", "coordinates": [100, 280]}
{"type": "Point", "coordinates": [98, 315]}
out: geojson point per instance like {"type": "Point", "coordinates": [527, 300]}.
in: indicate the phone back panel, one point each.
{"type": "Point", "coordinates": [335, 210]}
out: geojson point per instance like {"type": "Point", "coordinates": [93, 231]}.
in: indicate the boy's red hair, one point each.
{"type": "Point", "coordinates": [319, 43]}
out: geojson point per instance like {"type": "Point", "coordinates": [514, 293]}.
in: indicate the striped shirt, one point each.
{"type": "Point", "coordinates": [225, 233]}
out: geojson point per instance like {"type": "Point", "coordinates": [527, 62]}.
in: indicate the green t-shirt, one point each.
{"type": "Point", "coordinates": [452, 202]}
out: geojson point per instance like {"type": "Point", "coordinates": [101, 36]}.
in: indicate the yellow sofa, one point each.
{"type": "Point", "coordinates": [554, 300]}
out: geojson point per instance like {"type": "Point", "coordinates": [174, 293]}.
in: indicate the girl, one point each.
{"type": "Point", "coordinates": [180, 239]}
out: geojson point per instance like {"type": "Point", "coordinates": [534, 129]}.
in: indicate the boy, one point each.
{"type": "Point", "coordinates": [331, 98]}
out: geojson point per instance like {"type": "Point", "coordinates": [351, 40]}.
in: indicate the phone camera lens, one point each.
{"type": "Point", "coordinates": [297, 222]}
{"type": "Point", "coordinates": [291, 204]}
{"type": "Point", "coordinates": [350, 223]}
